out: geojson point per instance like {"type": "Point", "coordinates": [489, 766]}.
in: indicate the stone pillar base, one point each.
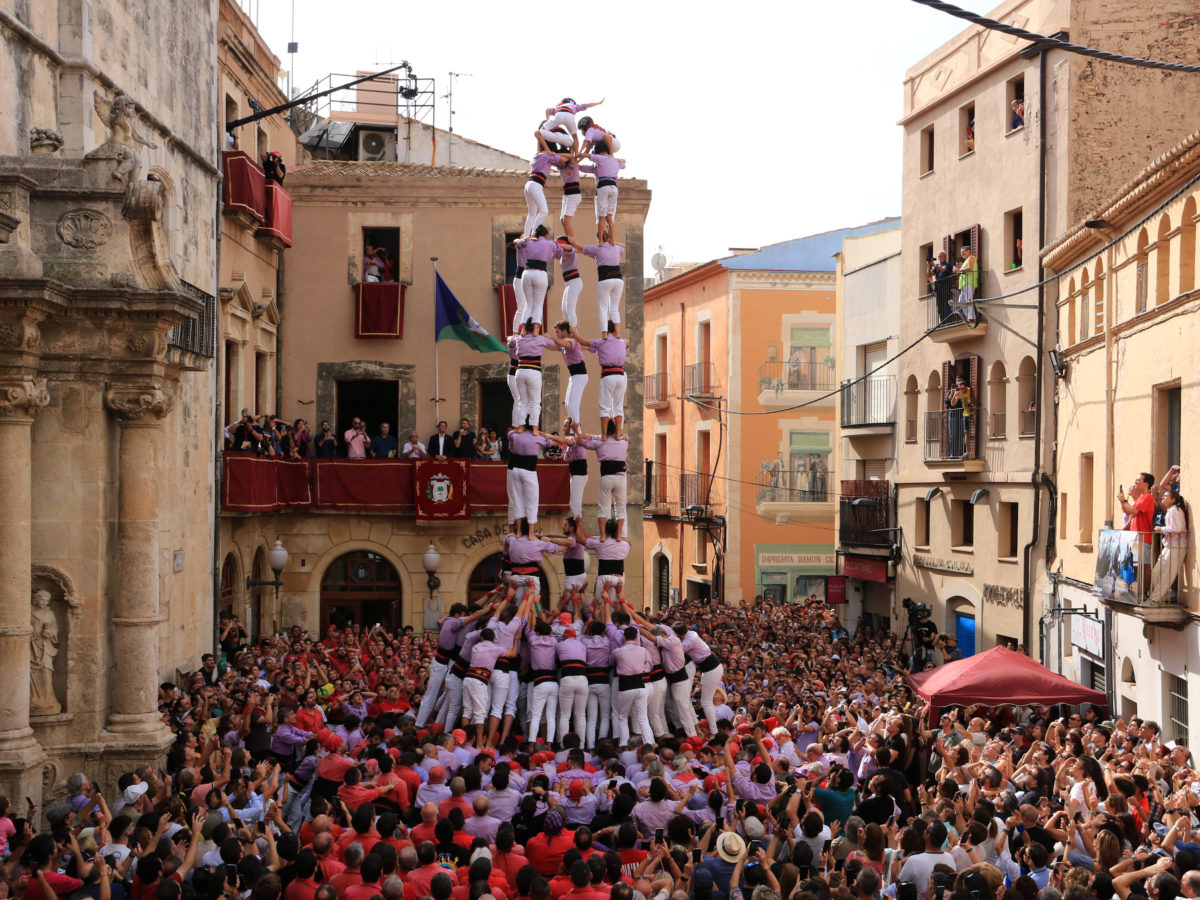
{"type": "Point", "coordinates": [21, 761]}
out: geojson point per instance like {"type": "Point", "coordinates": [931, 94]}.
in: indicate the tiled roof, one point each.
{"type": "Point", "coordinates": [807, 254]}
{"type": "Point", "coordinates": [327, 167]}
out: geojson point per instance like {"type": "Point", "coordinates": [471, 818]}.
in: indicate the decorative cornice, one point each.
{"type": "Point", "coordinates": [21, 397]}
{"type": "Point", "coordinates": [134, 404]}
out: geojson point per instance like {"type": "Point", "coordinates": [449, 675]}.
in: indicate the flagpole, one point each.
{"type": "Point", "coordinates": [437, 390]}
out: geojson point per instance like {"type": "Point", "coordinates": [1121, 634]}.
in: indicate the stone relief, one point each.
{"type": "Point", "coordinates": [43, 650]}
{"type": "Point", "coordinates": [120, 115]}
{"type": "Point", "coordinates": [24, 396]}
{"type": "Point", "coordinates": [44, 140]}
{"type": "Point", "coordinates": [84, 229]}
{"type": "Point", "coordinates": [139, 404]}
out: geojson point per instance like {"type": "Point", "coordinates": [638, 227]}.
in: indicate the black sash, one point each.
{"type": "Point", "coordinates": [538, 264]}
{"type": "Point", "coordinates": [577, 466]}
{"type": "Point", "coordinates": [630, 682]}
{"type": "Point", "coordinates": [526, 461]}
{"type": "Point", "coordinates": [610, 567]}
{"type": "Point", "coordinates": [708, 663]}
{"type": "Point", "coordinates": [612, 466]}
{"type": "Point", "coordinates": [571, 667]}
{"type": "Point", "coordinates": [607, 273]}
{"type": "Point", "coordinates": [573, 566]}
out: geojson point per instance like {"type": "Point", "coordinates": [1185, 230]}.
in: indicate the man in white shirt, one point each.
{"type": "Point", "coordinates": [918, 868]}
{"type": "Point", "coordinates": [413, 448]}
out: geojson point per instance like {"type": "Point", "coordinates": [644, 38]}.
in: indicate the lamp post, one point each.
{"type": "Point", "coordinates": [277, 559]}
{"type": "Point", "coordinates": [431, 559]}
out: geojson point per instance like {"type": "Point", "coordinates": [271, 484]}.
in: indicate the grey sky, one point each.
{"type": "Point", "coordinates": [752, 124]}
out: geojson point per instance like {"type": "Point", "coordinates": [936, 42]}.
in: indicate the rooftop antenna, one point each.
{"type": "Point", "coordinates": [450, 97]}
{"type": "Point", "coordinates": [292, 48]}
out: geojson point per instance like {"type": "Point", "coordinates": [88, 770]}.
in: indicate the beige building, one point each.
{"type": "Point", "coordinates": [1128, 317]}
{"type": "Point", "coordinates": [367, 565]}
{"type": "Point", "coordinates": [974, 508]}
{"type": "Point", "coordinates": [108, 195]}
{"type": "Point", "coordinates": [868, 336]}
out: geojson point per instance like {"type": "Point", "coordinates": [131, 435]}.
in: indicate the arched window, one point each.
{"type": "Point", "coordinates": [1026, 397]}
{"type": "Point", "coordinates": [1143, 271]}
{"type": "Point", "coordinates": [1071, 301]}
{"type": "Point", "coordinates": [360, 588]}
{"type": "Point", "coordinates": [1098, 298]}
{"type": "Point", "coordinates": [229, 580]}
{"type": "Point", "coordinates": [1187, 246]}
{"type": "Point", "coordinates": [997, 403]}
{"type": "Point", "coordinates": [1162, 281]}
{"type": "Point", "coordinates": [662, 582]}
{"type": "Point", "coordinates": [1085, 309]}
{"type": "Point", "coordinates": [912, 394]}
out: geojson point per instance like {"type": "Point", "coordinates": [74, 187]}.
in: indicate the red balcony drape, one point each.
{"type": "Point", "coordinates": [277, 214]}
{"type": "Point", "coordinates": [244, 184]}
{"type": "Point", "coordinates": [379, 310]}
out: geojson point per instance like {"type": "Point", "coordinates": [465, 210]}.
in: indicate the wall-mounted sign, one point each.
{"type": "Point", "coordinates": [1088, 635]}
{"type": "Point", "coordinates": [864, 568]}
{"type": "Point", "coordinates": [953, 566]}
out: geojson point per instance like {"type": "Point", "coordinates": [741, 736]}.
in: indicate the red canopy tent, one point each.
{"type": "Point", "coordinates": [997, 677]}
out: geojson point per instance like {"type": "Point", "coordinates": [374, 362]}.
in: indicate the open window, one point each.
{"type": "Point", "coordinates": [380, 254]}
{"type": "Point", "coordinates": [966, 130]}
{"type": "Point", "coordinates": [1015, 107]}
{"type": "Point", "coordinates": [927, 150]}
{"type": "Point", "coordinates": [1013, 239]}
{"type": "Point", "coordinates": [924, 262]}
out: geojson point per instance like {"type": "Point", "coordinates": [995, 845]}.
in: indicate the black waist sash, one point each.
{"type": "Point", "coordinates": [610, 567]}
{"type": "Point", "coordinates": [522, 461]}
{"type": "Point", "coordinates": [630, 682]}
{"type": "Point", "coordinates": [612, 466]}
{"type": "Point", "coordinates": [577, 466]}
{"type": "Point", "coordinates": [606, 273]}
{"type": "Point", "coordinates": [573, 566]}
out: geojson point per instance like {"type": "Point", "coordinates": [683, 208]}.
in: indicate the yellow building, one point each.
{"type": "Point", "coordinates": [1005, 144]}
{"type": "Point", "coordinates": [737, 505]}
{"type": "Point", "coordinates": [1128, 321]}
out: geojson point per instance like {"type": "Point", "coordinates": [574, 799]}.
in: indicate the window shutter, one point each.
{"type": "Point", "coordinates": [947, 380]}
{"type": "Point", "coordinates": [973, 381]}
{"type": "Point", "coordinates": [976, 246]}
{"type": "Point", "coordinates": [875, 469]}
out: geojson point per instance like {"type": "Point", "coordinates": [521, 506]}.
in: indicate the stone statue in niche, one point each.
{"type": "Point", "coordinates": [43, 650]}
{"type": "Point", "coordinates": [120, 115]}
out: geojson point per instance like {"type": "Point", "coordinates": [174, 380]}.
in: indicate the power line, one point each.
{"type": "Point", "coordinates": [1054, 43]}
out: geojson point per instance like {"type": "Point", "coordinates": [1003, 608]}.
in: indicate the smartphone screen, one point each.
{"type": "Point", "coordinates": [720, 822]}
{"type": "Point", "coordinates": [696, 857]}
{"type": "Point", "coordinates": [612, 785]}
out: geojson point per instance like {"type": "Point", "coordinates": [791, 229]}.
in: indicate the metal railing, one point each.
{"type": "Point", "coordinates": [1028, 417]}
{"type": "Point", "coordinates": [197, 334]}
{"type": "Point", "coordinates": [997, 425]}
{"type": "Point", "coordinates": [656, 498]}
{"type": "Point", "coordinates": [866, 524]}
{"type": "Point", "coordinates": [697, 489]}
{"type": "Point", "coordinates": [868, 402]}
{"type": "Point", "coordinates": [942, 312]}
{"type": "Point", "coordinates": [656, 388]}
{"type": "Point", "coordinates": [1139, 567]}
{"type": "Point", "coordinates": [910, 430]}
{"type": "Point", "coordinates": [795, 375]}
{"type": "Point", "coordinates": [700, 380]}
{"type": "Point", "coordinates": [953, 434]}
{"type": "Point", "coordinates": [775, 485]}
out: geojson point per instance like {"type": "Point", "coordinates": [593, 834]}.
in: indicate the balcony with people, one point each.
{"type": "Point", "coordinates": [254, 195]}
{"type": "Point", "coordinates": [1140, 572]}
{"type": "Point", "coordinates": [952, 282]}
{"type": "Point", "coordinates": [795, 489]}
{"type": "Point", "coordinates": [801, 378]}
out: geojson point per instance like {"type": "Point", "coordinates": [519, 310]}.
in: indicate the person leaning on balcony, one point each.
{"type": "Point", "coordinates": [941, 281]}
{"type": "Point", "coordinates": [357, 440]}
{"type": "Point", "coordinates": [958, 403]}
{"type": "Point", "coordinates": [968, 283]}
{"type": "Point", "coordinates": [1139, 508]}
{"type": "Point", "coordinates": [1174, 546]}
{"type": "Point", "coordinates": [325, 443]}
{"type": "Point", "coordinates": [413, 448]}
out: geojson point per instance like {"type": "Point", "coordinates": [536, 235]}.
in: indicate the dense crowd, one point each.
{"type": "Point", "coordinates": [298, 770]}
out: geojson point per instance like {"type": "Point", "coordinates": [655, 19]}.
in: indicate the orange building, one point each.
{"type": "Point", "coordinates": [740, 424]}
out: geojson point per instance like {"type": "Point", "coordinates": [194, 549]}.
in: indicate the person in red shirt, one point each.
{"type": "Point", "coordinates": [419, 878]}
{"type": "Point", "coordinates": [328, 866]}
{"type": "Point", "coordinates": [481, 870]}
{"type": "Point", "coordinates": [362, 831]}
{"type": "Point", "coordinates": [456, 800]}
{"type": "Point", "coordinates": [546, 850]}
{"type": "Point", "coordinates": [46, 884]}
{"type": "Point", "coordinates": [1139, 508]}
{"type": "Point", "coordinates": [504, 858]}
{"type": "Point", "coordinates": [581, 880]}
{"type": "Point", "coordinates": [424, 831]}
{"type": "Point", "coordinates": [310, 717]}
{"type": "Point", "coordinates": [371, 871]}
{"type": "Point", "coordinates": [304, 885]}
{"type": "Point", "coordinates": [351, 875]}
{"type": "Point", "coordinates": [355, 792]}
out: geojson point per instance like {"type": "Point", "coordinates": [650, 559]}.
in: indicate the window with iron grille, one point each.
{"type": "Point", "coordinates": [1177, 707]}
{"type": "Point", "coordinates": [197, 334]}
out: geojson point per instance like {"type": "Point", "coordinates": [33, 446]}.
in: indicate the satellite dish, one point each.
{"type": "Point", "coordinates": [658, 261]}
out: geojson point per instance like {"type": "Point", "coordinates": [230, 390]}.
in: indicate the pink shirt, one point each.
{"type": "Point", "coordinates": [631, 659]}
{"type": "Point", "coordinates": [357, 444]}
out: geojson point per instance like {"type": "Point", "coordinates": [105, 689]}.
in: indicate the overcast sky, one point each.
{"type": "Point", "coordinates": [752, 124]}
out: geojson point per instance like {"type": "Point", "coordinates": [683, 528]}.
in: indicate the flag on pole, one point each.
{"type": "Point", "coordinates": [453, 323]}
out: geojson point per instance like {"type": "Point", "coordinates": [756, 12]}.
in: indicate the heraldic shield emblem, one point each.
{"type": "Point", "coordinates": [439, 488]}
{"type": "Point", "coordinates": [442, 489]}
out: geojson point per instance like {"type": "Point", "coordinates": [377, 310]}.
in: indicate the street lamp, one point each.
{"type": "Point", "coordinates": [277, 559]}
{"type": "Point", "coordinates": [431, 559]}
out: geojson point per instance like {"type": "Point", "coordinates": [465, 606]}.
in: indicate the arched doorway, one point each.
{"type": "Point", "coordinates": [962, 624]}
{"type": "Point", "coordinates": [486, 575]}
{"type": "Point", "coordinates": [662, 582]}
{"type": "Point", "coordinates": [257, 600]}
{"type": "Point", "coordinates": [228, 594]}
{"type": "Point", "coordinates": [360, 588]}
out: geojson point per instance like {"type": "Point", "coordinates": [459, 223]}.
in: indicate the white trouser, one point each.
{"type": "Point", "coordinates": [512, 389]}
{"type": "Point", "coordinates": [709, 682]}
{"type": "Point", "coordinates": [498, 691]}
{"type": "Point", "coordinates": [656, 705]}
{"type": "Point", "coordinates": [475, 701]}
{"type": "Point", "coordinates": [1163, 575]}
{"type": "Point", "coordinates": [529, 396]}
{"type": "Point", "coordinates": [570, 299]}
{"type": "Point", "coordinates": [575, 387]}
{"type": "Point", "coordinates": [613, 495]}
{"type": "Point", "coordinates": [543, 697]}
{"type": "Point", "coordinates": [537, 282]}
{"type": "Point", "coordinates": [525, 494]}
{"type": "Point", "coordinates": [570, 205]}
{"type": "Point", "coordinates": [564, 119]}
{"type": "Point", "coordinates": [608, 296]}
{"type": "Point", "coordinates": [572, 698]}
{"type": "Point", "coordinates": [514, 692]}
{"type": "Point", "coordinates": [612, 395]}
{"type": "Point", "coordinates": [630, 709]}
{"type": "Point", "coordinates": [578, 483]}
{"type": "Point", "coordinates": [606, 201]}
{"type": "Point", "coordinates": [437, 675]}
{"type": "Point", "coordinates": [610, 583]}
{"type": "Point", "coordinates": [454, 701]}
{"type": "Point", "coordinates": [521, 311]}
{"type": "Point", "coordinates": [575, 581]}
{"type": "Point", "coordinates": [535, 200]}
{"type": "Point", "coordinates": [598, 712]}
{"type": "Point", "coordinates": [514, 511]}
{"type": "Point", "coordinates": [681, 706]}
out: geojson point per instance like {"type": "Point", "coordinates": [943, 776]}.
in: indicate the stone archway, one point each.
{"type": "Point", "coordinates": [486, 575]}
{"type": "Point", "coordinates": [361, 588]}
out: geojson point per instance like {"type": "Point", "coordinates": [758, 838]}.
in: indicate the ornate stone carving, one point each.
{"type": "Point", "coordinates": [120, 115]}
{"type": "Point", "coordinates": [85, 229]}
{"type": "Point", "coordinates": [21, 335]}
{"type": "Point", "coordinates": [139, 404]}
{"type": "Point", "coordinates": [43, 650]}
{"type": "Point", "coordinates": [22, 396]}
{"type": "Point", "coordinates": [44, 140]}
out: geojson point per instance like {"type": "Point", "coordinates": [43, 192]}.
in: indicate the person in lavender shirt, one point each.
{"type": "Point", "coordinates": [577, 381]}
{"type": "Point", "coordinates": [632, 662]}
{"type": "Point", "coordinates": [543, 693]}
{"type": "Point", "coordinates": [572, 195]}
{"type": "Point", "coordinates": [610, 352]}
{"type": "Point", "coordinates": [478, 683]}
{"type": "Point", "coordinates": [610, 556]}
{"type": "Point", "coordinates": [447, 645]}
{"type": "Point", "coordinates": [560, 122]}
{"type": "Point", "coordinates": [540, 252]}
{"type": "Point", "coordinates": [610, 282]}
{"type": "Point", "coordinates": [605, 167]}
{"type": "Point", "coordinates": [572, 283]}
{"type": "Point", "coordinates": [574, 565]}
{"type": "Point", "coordinates": [594, 135]}
{"type": "Point", "coordinates": [535, 189]}
{"type": "Point", "coordinates": [524, 444]}
{"type": "Point", "coordinates": [288, 737]}
{"type": "Point", "coordinates": [611, 453]}
{"type": "Point", "coordinates": [572, 683]}
{"type": "Point", "coordinates": [522, 311]}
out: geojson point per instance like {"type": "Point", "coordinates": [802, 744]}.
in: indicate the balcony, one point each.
{"type": "Point", "coordinates": [953, 440]}
{"type": "Point", "coordinates": [1028, 418]}
{"type": "Point", "coordinates": [700, 380]}
{"type": "Point", "coordinates": [792, 495]}
{"type": "Point", "coordinates": [789, 382]}
{"type": "Point", "coordinates": [866, 514]}
{"type": "Point", "coordinates": [656, 391]}
{"type": "Point", "coordinates": [697, 492]}
{"type": "Point", "coordinates": [1130, 579]}
{"type": "Point", "coordinates": [245, 188]}
{"type": "Point", "coordinates": [657, 500]}
{"type": "Point", "coordinates": [276, 228]}
{"type": "Point", "coordinates": [948, 321]}
{"type": "Point", "coordinates": [868, 405]}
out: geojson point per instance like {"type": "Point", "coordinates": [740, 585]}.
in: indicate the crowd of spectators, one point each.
{"type": "Point", "coordinates": [297, 771]}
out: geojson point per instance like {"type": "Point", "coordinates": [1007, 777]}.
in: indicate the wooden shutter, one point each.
{"type": "Point", "coordinates": [976, 247]}
{"type": "Point", "coordinates": [973, 381]}
{"type": "Point", "coordinates": [944, 421]}
{"type": "Point", "coordinates": [664, 582]}
{"type": "Point", "coordinates": [948, 247]}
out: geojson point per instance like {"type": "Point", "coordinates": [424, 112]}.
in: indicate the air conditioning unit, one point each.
{"type": "Point", "coordinates": [376, 146]}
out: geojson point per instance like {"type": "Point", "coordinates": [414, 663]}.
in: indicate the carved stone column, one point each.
{"type": "Point", "coordinates": [21, 396]}
{"type": "Point", "coordinates": [136, 610]}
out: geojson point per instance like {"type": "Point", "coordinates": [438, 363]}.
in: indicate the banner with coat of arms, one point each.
{"type": "Point", "coordinates": [442, 489]}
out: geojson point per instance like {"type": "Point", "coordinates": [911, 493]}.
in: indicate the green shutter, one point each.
{"type": "Point", "coordinates": [811, 337]}
{"type": "Point", "coordinates": [810, 442]}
